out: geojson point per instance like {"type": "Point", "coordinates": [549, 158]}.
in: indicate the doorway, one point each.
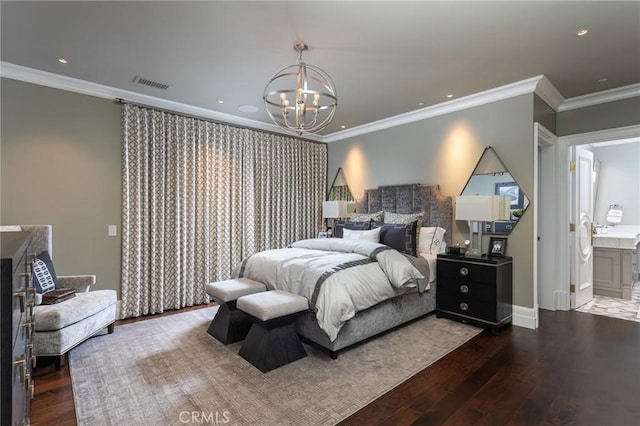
{"type": "Point", "coordinates": [552, 190]}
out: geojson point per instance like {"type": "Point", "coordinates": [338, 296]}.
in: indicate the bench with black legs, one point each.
{"type": "Point", "coordinates": [230, 325]}
{"type": "Point", "coordinates": [272, 340]}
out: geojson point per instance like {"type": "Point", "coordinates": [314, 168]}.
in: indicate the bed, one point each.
{"type": "Point", "coordinates": [405, 304]}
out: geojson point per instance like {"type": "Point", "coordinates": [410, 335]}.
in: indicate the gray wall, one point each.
{"type": "Point", "coordinates": [599, 117]}
{"type": "Point", "coordinates": [619, 181]}
{"type": "Point", "coordinates": [60, 166]}
{"type": "Point", "coordinates": [444, 150]}
{"type": "Point", "coordinates": [544, 114]}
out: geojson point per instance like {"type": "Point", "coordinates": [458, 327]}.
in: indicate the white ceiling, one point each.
{"type": "Point", "coordinates": [384, 57]}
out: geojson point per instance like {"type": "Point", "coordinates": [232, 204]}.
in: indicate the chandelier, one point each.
{"type": "Point", "coordinates": [301, 98]}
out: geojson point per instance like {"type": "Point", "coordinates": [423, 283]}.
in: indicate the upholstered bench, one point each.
{"type": "Point", "coordinates": [272, 340]}
{"type": "Point", "coordinates": [61, 327]}
{"type": "Point", "coordinates": [230, 325]}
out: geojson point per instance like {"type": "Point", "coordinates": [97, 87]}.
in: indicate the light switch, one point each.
{"type": "Point", "coordinates": [113, 230]}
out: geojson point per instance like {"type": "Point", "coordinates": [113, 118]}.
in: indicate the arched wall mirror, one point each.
{"type": "Point", "coordinates": [491, 177]}
{"type": "Point", "coordinates": [340, 189]}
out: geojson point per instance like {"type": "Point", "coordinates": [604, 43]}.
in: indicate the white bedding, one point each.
{"type": "Point", "coordinates": [339, 277]}
{"type": "Point", "coordinates": [431, 259]}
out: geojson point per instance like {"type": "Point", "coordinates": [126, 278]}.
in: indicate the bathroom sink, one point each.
{"type": "Point", "coordinates": [620, 236]}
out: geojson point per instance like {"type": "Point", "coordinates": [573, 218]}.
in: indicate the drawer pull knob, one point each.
{"type": "Point", "coordinates": [21, 363]}
{"type": "Point", "coordinates": [464, 306]}
{"type": "Point", "coordinates": [464, 288]}
{"type": "Point", "coordinates": [464, 271]}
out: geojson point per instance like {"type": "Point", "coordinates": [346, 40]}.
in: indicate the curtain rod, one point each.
{"type": "Point", "coordinates": [211, 120]}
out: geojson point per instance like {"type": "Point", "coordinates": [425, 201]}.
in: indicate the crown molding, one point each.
{"type": "Point", "coordinates": [477, 99]}
{"type": "Point", "coordinates": [615, 94]}
{"type": "Point", "coordinates": [549, 93]}
{"type": "Point", "coordinates": [618, 134]}
{"type": "Point", "coordinates": [539, 85]}
{"type": "Point", "coordinates": [56, 81]}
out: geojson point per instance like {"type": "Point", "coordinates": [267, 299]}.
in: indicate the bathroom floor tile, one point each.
{"type": "Point", "coordinates": [614, 307]}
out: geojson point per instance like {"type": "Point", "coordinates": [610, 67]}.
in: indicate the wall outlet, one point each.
{"type": "Point", "coordinates": [113, 230]}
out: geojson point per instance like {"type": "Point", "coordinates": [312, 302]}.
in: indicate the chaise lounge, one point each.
{"type": "Point", "coordinates": [60, 327]}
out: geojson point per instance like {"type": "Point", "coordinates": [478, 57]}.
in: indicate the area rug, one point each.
{"type": "Point", "coordinates": [169, 371]}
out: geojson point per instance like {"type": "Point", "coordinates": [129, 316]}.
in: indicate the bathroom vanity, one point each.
{"type": "Point", "coordinates": [615, 261]}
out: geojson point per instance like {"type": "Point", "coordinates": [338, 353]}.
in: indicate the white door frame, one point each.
{"type": "Point", "coordinates": [544, 250]}
{"type": "Point", "coordinates": [562, 196]}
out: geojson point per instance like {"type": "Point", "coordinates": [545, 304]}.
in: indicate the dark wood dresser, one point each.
{"type": "Point", "coordinates": [475, 290]}
{"type": "Point", "coordinates": [17, 298]}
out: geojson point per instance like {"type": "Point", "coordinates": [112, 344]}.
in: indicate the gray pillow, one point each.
{"type": "Point", "coordinates": [364, 217]}
{"type": "Point", "coordinates": [402, 218]}
{"type": "Point", "coordinates": [399, 236]}
{"type": "Point", "coordinates": [340, 226]}
{"type": "Point", "coordinates": [399, 218]}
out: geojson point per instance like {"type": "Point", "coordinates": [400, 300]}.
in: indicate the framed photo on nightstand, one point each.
{"type": "Point", "coordinates": [497, 246]}
{"type": "Point", "coordinates": [322, 234]}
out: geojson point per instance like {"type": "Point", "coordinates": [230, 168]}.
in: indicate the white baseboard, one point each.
{"type": "Point", "coordinates": [525, 317]}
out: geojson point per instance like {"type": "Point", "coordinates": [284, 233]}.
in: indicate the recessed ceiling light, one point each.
{"type": "Point", "coordinates": [248, 108]}
{"type": "Point", "coordinates": [343, 127]}
{"type": "Point", "coordinates": [602, 80]}
{"type": "Point", "coordinates": [420, 103]}
{"type": "Point", "coordinates": [63, 61]}
{"type": "Point", "coordinates": [450, 95]}
{"type": "Point", "coordinates": [220, 101]}
{"type": "Point", "coordinates": [582, 32]}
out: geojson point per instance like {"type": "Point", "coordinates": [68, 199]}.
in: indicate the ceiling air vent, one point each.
{"type": "Point", "coordinates": [151, 83]}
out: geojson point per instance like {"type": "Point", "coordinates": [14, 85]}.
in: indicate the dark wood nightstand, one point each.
{"type": "Point", "coordinates": [477, 291]}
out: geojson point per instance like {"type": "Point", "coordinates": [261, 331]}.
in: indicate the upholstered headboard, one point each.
{"type": "Point", "coordinates": [414, 198]}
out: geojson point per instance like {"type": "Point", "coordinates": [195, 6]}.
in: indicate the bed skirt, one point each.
{"type": "Point", "coordinates": [370, 322]}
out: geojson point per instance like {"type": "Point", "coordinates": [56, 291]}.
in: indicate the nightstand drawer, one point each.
{"type": "Point", "coordinates": [467, 307]}
{"type": "Point", "coordinates": [467, 270]}
{"type": "Point", "coordinates": [468, 289]}
{"type": "Point", "coordinates": [474, 290]}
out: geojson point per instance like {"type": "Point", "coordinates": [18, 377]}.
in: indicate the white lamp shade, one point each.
{"type": "Point", "coordinates": [485, 208]}
{"type": "Point", "coordinates": [334, 209]}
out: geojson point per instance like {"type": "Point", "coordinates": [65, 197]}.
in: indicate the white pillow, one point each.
{"type": "Point", "coordinates": [372, 235]}
{"type": "Point", "coordinates": [432, 240]}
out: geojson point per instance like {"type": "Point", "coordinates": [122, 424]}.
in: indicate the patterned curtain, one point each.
{"type": "Point", "coordinates": [286, 178]}
{"type": "Point", "coordinates": [198, 197]}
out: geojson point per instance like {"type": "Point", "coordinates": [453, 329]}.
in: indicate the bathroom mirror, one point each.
{"type": "Point", "coordinates": [339, 188]}
{"type": "Point", "coordinates": [491, 177]}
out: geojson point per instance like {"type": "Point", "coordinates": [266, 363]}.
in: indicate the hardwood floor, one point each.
{"type": "Point", "coordinates": [577, 369]}
{"type": "Point", "coordinates": [53, 396]}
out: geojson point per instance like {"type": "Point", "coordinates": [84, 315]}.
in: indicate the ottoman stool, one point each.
{"type": "Point", "coordinates": [230, 325]}
{"type": "Point", "coordinates": [272, 340]}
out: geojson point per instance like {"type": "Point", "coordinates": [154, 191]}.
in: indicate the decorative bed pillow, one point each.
{"type": "Point", "coordinates": [340, 226]}
{"type": "Point", "coordinates": [363, 217]}
{"type": "Point", "coordinates": [405, 218]}
{"type": "Point", "coordinates": [399, 236]}
{"type": "Point", "coordinates": [402, 218]}
{"type": "Point", "coordinates": [372, 235]}
{"type": "Point", "coordinates": [432, 240]}
{"type": "Point", "coordinates": [44, 275]}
